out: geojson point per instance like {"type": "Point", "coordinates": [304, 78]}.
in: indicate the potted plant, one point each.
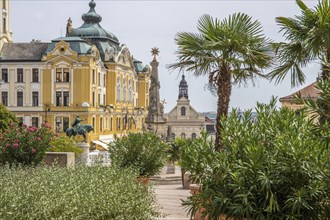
{"type": "Point", "coordinates": [144, 152]}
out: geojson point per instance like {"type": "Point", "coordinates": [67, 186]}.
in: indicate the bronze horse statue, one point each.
{"type": "Point", "coordinates": [81, 130]}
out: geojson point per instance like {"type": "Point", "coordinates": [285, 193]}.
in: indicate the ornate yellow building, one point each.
{"type": "Point", "coordinates": [88, 74]}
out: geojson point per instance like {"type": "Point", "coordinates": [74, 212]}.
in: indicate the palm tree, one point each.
{"type": "Point", "coordinates": [308, 39]}
{"type": "Point", "coordinates": [229, 51]}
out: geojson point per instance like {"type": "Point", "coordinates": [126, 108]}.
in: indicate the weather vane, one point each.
{"type": "Point", "coordinates": [155, 52]}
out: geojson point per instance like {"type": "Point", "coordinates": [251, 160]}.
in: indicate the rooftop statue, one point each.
{"type": "Point", "coordinates": [79, 129]}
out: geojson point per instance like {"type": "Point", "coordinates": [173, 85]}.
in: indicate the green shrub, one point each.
{"type": "Point", "coordinates": [7, 118]}
{"type": "Point", "coordinates": [196, 157]}
{"type": "Point", "coordinates": [145, 152]}
{"type": "Point", "coordinates": [80, 193]}
{"type": "Point", "coordinates": [64, 144]}
{"type": "Point", "coordinates": [25, 145]}
{"type": "Point", "coordinates": [271, 168]}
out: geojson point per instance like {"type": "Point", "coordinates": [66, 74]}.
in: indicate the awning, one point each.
{"type": "Point", "coordinates": [102, 144]}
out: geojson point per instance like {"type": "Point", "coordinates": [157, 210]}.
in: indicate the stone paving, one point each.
{"type": "Point", "coordinates": [169, 198]}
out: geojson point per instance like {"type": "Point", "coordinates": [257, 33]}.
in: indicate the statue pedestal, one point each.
{"type": "Point", "coordinates": [84, 156]}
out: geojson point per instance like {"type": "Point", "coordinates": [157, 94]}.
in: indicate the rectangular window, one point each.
{"type": "Point", "coordinates": [35, 75]}
{"type": "Point", "coordinates": [19, 75]}
{"type": "Point", "coordinates": [65, 124]}
{"type": "Point", "coordinates": [19, 98]}
{"type": "Point", "coordinates": [4, 98]}
{"type": "Point", "coordinates": [35, 121]}
{"type": "Point", "coordinates": [99, 99]}
{"type": "Point", "coordinates": [20, 120]}
{"type": "Point", "coordinates": [62, 124]}
{"type": "Point", "coordinates": [104, 78]}
{"type": "Point", "coordinates": [99, 79]}
{"type": "Point", "coordinates": [35, 99]}
{"type": "Point", "coordinates": [58, 75]}
{"type": "Point", "coordinates": [66, 75]}
{"type": "Point", "coordinates": [66, 98]}
{"type": "Point", "coordinates": [4, 26]}
{"type": "Point", "coordinates": [4, 75]}
{"type": "Point", "coordinates": [93, 77]}
{"type": "Point", "coordinates": [93, 98]}
{"type": "Point", "coordinates": [103, 99]}
{"type": "Point", "coordinates": [58, 98]}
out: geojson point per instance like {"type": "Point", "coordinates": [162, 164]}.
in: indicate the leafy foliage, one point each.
{"type": "Point", "coordinates": [64, 144]}
{"type": "Point", "coordinates": [196, 157]}
{"type": "Point", "coordinates": [308, 39]}
{"type": "Point", "coordinates": [144, 152]}
{"type": "Point", "coordinates": [81, 193]}
{"type": "Point", "coordinates": [6, 118]}
{"type": "Point", "coordinates": [230, 51]}
{"type": "Point", "coordinates": [25, 145]}
{"type": "Point", "coordinates": [175, 148]}
{"type": "Point", "coordinates": [319, 109]}
{"type": "Point", "coordinates": [271, 168]}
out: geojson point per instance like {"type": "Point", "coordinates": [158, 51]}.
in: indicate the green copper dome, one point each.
{"type": "Point", "coordinates": [92, 31]}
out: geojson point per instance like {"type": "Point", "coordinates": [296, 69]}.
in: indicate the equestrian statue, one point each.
{"type": "Point", "coordinates": [79, 129]}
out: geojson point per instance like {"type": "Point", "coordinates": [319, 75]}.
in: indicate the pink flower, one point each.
{"type": "Point", "coordinates": [7, 145]}
{"type": "Point", "coordinates": [39, 138]}
{"type": "Point", "coordinates": [16, 141]}
{"type": "Point", "coordinates": [24, 125]}
{"type": "Point", "coordinates": [16, 145]}
{"type": "Point", "coordinates": [33, 150]}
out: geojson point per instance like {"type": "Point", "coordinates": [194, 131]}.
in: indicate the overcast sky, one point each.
{"type": "Point", "coordinates": [142, 25]}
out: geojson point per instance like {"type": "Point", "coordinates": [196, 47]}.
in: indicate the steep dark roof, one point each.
{"type": "Point", "coordinates": [23, 51]}
{"type": "Point", "coordinates": [308, 91]}
{"type": "Point", "coordinates": [76, 44]}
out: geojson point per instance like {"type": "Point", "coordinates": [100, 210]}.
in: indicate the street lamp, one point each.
{"type": "Point", "coordinates": [47, 109]}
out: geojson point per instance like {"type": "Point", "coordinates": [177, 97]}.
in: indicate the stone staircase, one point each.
{"type": "Point", "coordinates": [168, 176]}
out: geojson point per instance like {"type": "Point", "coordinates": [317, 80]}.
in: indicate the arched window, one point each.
{"type": "Point", "coordinates": [173, 136]}
{"type": "Point", "coordinates": [124, 90]}
{"type": "Point", "coordinates": [93, 122]}
{"type": "Point", "coordinates": [183, 111]}
{"type": "Point", "coordinates": [110, 124]}
{"type": "Point", "coordinates": [130, 91]}
{"type": "Point", "coordinates": [118, 89]}
{"type": "Point", "coordinates": [101, 124]}
{"type": "Point", "coordinates": [193, 136]}
{"type": "Point", "coordinates": [183, 135]}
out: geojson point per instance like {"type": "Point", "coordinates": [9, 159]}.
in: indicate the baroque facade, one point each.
{"type": "Point", "coordinates": [183, 121]}
{"type": "Point", "coordinates": [88, 74]}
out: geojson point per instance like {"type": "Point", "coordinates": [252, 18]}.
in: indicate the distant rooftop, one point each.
{"type": "Point", "coordinates": [23, 51]}
{"type": "Point", "coordinates": [308, 91]}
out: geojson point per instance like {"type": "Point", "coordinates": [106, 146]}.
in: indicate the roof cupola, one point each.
{"type": "Point", "coordinates": [183, 88]}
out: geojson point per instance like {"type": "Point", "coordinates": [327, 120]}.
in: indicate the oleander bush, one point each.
{"type": "Point", "coordinates": [80, 193]}
{"type": "Point", "coordinates": [7, 118]}
{"type": "Point", "coordinates": [24, 145]}
{"type": "Point", "coordinates": [144, 152]}
{"type": "Point", "coordinates": [270, 168]}
{"type": "Point", "coordinates": [64, 144]}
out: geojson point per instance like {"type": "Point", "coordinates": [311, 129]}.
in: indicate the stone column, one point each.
{"type": "Point", "coordinates": [84, 156]}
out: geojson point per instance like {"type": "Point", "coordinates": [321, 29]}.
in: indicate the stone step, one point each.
{"type": "Point", "coordinates": [171, 180]}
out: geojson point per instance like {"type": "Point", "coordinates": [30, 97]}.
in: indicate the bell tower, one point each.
{"type": "Point", "coordinates": [5, 34]}
{"type": "Point", "coordinates": [183, 88]}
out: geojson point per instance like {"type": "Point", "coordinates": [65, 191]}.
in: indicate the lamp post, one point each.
{"type": "Point", "coordinates": [47, 109]}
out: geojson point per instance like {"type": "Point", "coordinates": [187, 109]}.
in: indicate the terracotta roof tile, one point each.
{"type": "Point", "coordinates": [308, 91]}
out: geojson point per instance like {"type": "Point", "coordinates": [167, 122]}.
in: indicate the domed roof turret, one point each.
{"type": "Point", "coordinates": [91, 16]}
{"type": "Point", "coordinates": [183, 88]}
{"type": "Point", "coordinates": [183, 82]}
{"type": "Point", "coordinates": [92, 31]}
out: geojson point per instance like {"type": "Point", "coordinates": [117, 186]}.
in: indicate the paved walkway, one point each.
{"type": "Point", "coordinates": [169, 198]}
